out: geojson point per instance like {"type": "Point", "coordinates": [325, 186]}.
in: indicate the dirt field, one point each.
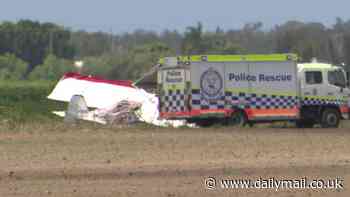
{"type": "Point", "coordinates": [64, 161]}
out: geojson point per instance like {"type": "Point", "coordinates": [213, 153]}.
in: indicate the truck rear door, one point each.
{"type": "Point", "coordinates": [174, 92]}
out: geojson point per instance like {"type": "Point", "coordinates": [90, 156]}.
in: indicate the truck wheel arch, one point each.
{"type": "Point", "coordinates": [330, 117]}
{"type": "Point", "coordinates": [239, 117]}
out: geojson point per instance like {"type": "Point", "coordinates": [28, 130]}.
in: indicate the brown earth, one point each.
{"type": "Point", "coordinates": [55, 160]}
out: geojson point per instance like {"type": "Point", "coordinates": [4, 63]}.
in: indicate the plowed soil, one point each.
{"type": "Point", "coordinates": [65, 161]}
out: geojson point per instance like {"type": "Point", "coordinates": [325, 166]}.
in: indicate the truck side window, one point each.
{"type": "Point", "coordinates": [337, 78]}
{"type": "Point", "coordinates": [313, 77]}
{"type": "Point", "coordinates": [332, 78]}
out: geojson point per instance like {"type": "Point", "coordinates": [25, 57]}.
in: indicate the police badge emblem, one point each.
{"type": "Point", "coordinates": [211, 84]}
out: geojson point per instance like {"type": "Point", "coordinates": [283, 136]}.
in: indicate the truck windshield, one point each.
{"type": "Point", "coordinates": [337, 78]}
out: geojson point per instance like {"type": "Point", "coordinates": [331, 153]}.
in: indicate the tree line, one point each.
{"type": "Point", "coordinates": [34, 50]}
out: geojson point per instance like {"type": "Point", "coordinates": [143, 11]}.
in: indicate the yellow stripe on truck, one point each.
{"type": "Point", "coordinates": [323, 97]}
{"type": "Point", "coordinates": [235, 58]}
{"type": "Point", "coordinates": [174, 87]}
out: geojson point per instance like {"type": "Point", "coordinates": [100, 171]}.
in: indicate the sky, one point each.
{"type": "Point", "coordinates": [119, 16]}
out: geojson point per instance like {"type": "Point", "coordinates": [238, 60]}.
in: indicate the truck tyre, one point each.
{"type": "Point", "coordinates": [330, 118]}
{"type": "Point", "coordinates": [238, 118]}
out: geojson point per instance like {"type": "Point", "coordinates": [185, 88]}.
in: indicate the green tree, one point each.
{"type": "Point", "coordinates": [52, 69]}
{"type": "Point", "coordinates": [11, 67]}
{"type": "Point", "coordinates": [33, 41]}
{"type": "Point", "coordinates": [193, 40]}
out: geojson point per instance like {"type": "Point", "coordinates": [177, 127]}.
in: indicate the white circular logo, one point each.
{"type": "Point", "coordinates": [211, 84]}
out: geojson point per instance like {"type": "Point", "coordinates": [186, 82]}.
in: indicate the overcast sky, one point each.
{"type": "Point", "coordinates": [125, 16]}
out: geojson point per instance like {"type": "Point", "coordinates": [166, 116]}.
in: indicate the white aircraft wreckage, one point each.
{"type": "Point", "coordinates": [110, 101]}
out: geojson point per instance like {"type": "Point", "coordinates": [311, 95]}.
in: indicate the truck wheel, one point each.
{"type": "Point", "coordinates": [330, 118]}
{"type": "Point", "coordinates": [238, 118]}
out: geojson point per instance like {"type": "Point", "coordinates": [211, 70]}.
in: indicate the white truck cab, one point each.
{"type": "Point", "coordinates": [324, 94]}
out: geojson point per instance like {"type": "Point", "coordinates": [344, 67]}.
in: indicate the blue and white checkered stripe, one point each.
{"type": "Point", "coordinates": [248, 101]}
{"type": "Point", "coordinates": [173, 101]}
{"type": "Point", "coordinates": [317, 101]}
{"type": "Point", "coordinates": [200, 103]}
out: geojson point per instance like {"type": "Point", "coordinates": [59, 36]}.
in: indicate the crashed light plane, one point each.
{"type": "Point", "coordinates": [112, 101]}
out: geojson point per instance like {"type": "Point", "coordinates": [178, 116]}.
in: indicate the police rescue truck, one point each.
{"type": "Point", "coordinates": [243, 89]}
